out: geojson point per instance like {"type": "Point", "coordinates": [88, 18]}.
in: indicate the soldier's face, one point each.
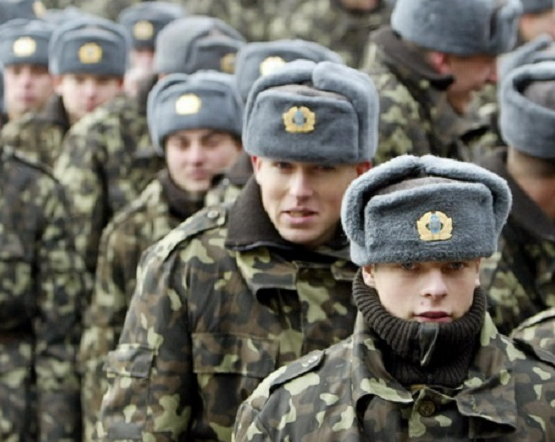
{"type": "Point", "coordinates": [471, 75]}
{"type": "Point", "coordinates": [436, 291]}
{"type": "Point", "coordinates": [195, 156]}
{"type": "Point", "coordinates": [26, 88]}
{"type": "Point", "coordinates": [82, 93]}
{"type": "Point", "coordinates": [303, 200]}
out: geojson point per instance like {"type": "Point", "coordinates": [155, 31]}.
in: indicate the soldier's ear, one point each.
{"type": "Point", "coordinates": [363, 167]}
{"type": "Point", "coordinates": [256, 162]}
{"type": "Point", "coordinates": [368, 275]}
{"type": "Point", "coordinates": [57, 83]}
{"type": "Point", "coordinates": [440, 62]}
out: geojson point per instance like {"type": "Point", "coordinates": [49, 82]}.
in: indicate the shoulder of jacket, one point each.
{"type": "Point", "coordinates": [9, 154]}
{"type": "Point", "coordinates": [206, 219]}
{"type": "Point", "coordinates": [540, 318]}
{"type": "Point", "coordinates": [534, 352]}
{"type": "Point", "coordinates": [298, 368]}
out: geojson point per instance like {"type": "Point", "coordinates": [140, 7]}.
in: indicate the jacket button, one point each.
{"type": "Point", "coordinates": [213, 214]}
{"type": "Point", "coordinates": [427, 408]}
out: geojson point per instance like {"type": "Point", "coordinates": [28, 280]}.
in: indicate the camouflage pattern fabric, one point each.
{"type": "Point", "coordinates": [345, 393]}
{"type": "Point", "coordinates": [43, 283]}
{"type": "Point", "coordinates": [105, 8]}
{"type": "Point", "coordinates": [107, 160]}
{"type": "Point", "coordinates": [415, 116]}
{"type": "Point", "coordinates": [229, 187]}
{"type": "Point", "coordinates": [539, 330]}
{"type": "Point", "coordinates": [519, 278]}
{"type": "Point", "coordinates": [131, 232]}
{"type": "Point", "coordinates": [207, 323]}
{"type": "Point", "coordinates": [251, 18]}
{"type": "Point", "coordinates": [39, 136]}
{"type": "Point", "coordinates": [327, 23]}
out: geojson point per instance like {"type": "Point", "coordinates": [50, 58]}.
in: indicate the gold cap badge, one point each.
{"type": "Point", "coordinates": [39, 9]}
{"type": "Point", "coordinates": [24, 47]}
{"type": "Point", "coordinates": [299, 120]}
{"type": "Point", "coordinates": [143, 30]}
{"type": "Point", "coordinates": [270, 64]}
{"type": "Point", "coordinates": [227, 63]}
{"type": "Point", "coordinates": [90, 53]}
{"type": "Point", "coordinates": [434, 226]}
{"type": "Point", "coordinates": [188, 104]}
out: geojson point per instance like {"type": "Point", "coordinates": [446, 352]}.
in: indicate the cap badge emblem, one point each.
{"type": "Point", "coordinates": [435, 226]}
{"type": "Point", "coordinates": [24, 47]}
{"type": "Point", "coordinates": [143, 30]}
{"type": "Point", "coordinates": [188, 104]}
{"type": "Point", "coordinates": [270, 64]}
{"type": "Point", "coordinates": [227, 63]}
{"type": "Point", "coordinates": [90, 53]}
{"type": "Point", "coordinates": [299, 120]}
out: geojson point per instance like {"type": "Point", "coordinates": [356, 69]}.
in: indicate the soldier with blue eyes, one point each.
{"type": "Point", "coordinates": [237, 291]}
{"type": "Point", "coordinates": [425, 361]}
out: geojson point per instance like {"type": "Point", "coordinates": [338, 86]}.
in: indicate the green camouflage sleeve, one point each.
{"type": "Point", "coordinates": [79, 168]}
{"type": "Point", "coordinates": [119, 254]}
{"type": "Point", "coordinates": [62, 286]}
{"type": "Point", "coordinates": [538, 330]}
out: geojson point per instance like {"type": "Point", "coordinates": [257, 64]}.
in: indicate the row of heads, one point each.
{"type": "Point", "coordinates": [186, 44]}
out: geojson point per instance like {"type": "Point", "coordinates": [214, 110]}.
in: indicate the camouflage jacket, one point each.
{"type": "Point", "coordinates": [106, 162]}
{"type": "Point", "coordinates": [221, 302]}
{"type": "Point", "coordinates": [43, 282]}
{"type": "Point", "coordinates": [415, 116]}
{"type": "Point", "coordinates": [539, 330]}
{"type": "Point", "coordinates": [251, 18]}
{"type": "Point", "coordinates": [39, 136]}
{"type": "Point", "coordinates": [328, 23]}
{"type": "Point", "coordinates": [519, 278]}
{"type": "Point", "coordinates": [229, 187]}
{"type": "Point", "coordinates": [159, 209]}
{"type": "Point", "coordinates": [345, 394]}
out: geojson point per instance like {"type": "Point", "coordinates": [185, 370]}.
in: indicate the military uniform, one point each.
{"type": "Point", "coordinates": [251, 18]}
{"type": "Point", "coordinates": [415, 116]}
{"type": "Point", "coordinates": [106, 161]}
{"type": "Point", "coordinates": [229, 187]}
{"type": "Point", "coordinates": [328, 23]}
{"type": "Point", "coordinates": [159, 209]}
{"type": "Point", "coordinates": [519, 277]}
{"type": "Point", "coordinates": [345, 393]}
{"type": "Point", "coordinates": [39, 136]}
{"type": "Point", "coordinates": [221, 302]}
{"type": "Point", "coordinates": [538, 330]}
{"type": "Point", "coordinates": [43, 284]}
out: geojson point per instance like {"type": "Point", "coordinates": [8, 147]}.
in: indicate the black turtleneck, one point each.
{"type": "Point", "coordinates": [423, 353]}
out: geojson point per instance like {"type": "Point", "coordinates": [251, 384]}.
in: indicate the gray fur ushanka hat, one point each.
{"type": "Point", "coordinates": [260, 58]}
{"type": "Point", "coordinates": [456, 213]}
{"type": "Point", "coordinates": [325, 113]}
{"type": "Point", "coordinates": [536, 6]}
{"type": "Point", "coordinates": [194, 43]}
{"type": "Point", "coordinates": [203, 100]}
{"type": "Point", "coordinates": [89, 45]}
{"type": "Point", "coordinates": [145, 20]}
{"type": "Point", "coordinates": [25, 41]}
{"type": "Point", "coordinates": [460, 27]}
{"type": "Point", "coordinates": [525, 125]}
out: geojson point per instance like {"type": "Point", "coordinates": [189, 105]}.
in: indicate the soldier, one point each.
{"type": "Point", "coordinates": [195, 122]}
{"type": "Point", "coordinates": [144, 21]}
{"type": "Point", "coordinates": [43, 283]}
{"type": "Point", "coordinates": [24, 55]}
{"type": "Point", "coordinates": [87, 59]}
{"type": "Point", "coordinates": [253, 61]}
{"type": "Point", "coordinates": [538, 17]}
{"type": "Point", "coordinates": [26, 9]}
{"type": "Point", "coordinates": [108, 158]}
{"type": "Point", "coordinates": [341, 25]}
{"type": "Point", "coordinates": [428, 65]}
{"type": "Point", "coordinates": [239, 290]}
{"type": "Point", "coordinates": [425, 361]}
{"type": "Point", "coordinates": [520, 277]}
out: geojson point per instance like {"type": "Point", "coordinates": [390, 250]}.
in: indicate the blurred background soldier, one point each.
{"type": "Point", "coordinates": [520, 278]}
{"type": "Point", "coordinates": [538, 17]}
{"type": "Point", "coordinates": [144, 21]}
{"type": "Point", "coordinates": [195, 122]}
{"type": "Point", "coordinates": [237, 291]}
{"type": "Point", "coordinates": [43, 284]}
{"type": "Point", "coordinates": [24, 55]}
{"type": "Point", "coordinates": [427, 67]}
{"type": "Point", "coordinates": [108, 158]}
{"type": "Point", "coordinates": [341, 25]}
{"type": "Point", "coordinates": [87, 59]}
{"type": "Point", "coordinates": [425, 355]}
